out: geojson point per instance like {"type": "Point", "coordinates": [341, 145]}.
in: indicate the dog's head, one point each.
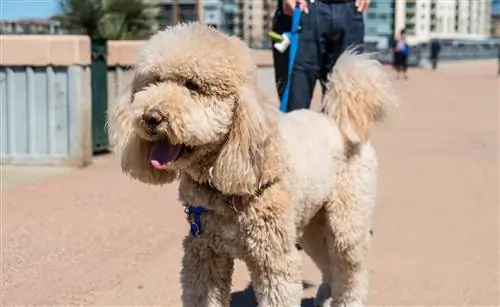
{"type": "Point", "coordinates": [192, 105]}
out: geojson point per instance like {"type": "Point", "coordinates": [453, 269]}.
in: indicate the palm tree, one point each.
{"type": "Point", "coordinates": [130, 19]}
{"type": "Point", "coordinates": [111, 19]}
{"type": "Point", "coordinates": [81, 16]}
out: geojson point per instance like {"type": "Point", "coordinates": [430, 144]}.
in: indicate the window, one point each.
{"type": "Point", "coordinates": [410, 29]}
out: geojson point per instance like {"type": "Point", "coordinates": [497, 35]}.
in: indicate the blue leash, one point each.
{"type": "Point", "coordinates": [294, 46]}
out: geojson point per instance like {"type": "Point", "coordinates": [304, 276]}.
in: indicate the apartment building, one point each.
{"type": "Point", "coordinates": [257, 20]}
{"type": "Point", "coordinates": [30, 26]}
{"type": "Point", "coordinates": [212, 13]}
{"type": "Point", "coordinates": [175, 11]}
{"type": "Point", "coordinates": [495, 25]}
{"type": "Point", "coordinates": [495, 18]}
{"type": "Point", "coordinates": [250, 20]}
{"type": "Point", "coordinates": [380, 22]}
{"type": "Point", "coordinates": [427, 19]}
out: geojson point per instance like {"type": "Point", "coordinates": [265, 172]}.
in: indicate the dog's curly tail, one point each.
{"type": "Point", "coordinates": [359, 94]}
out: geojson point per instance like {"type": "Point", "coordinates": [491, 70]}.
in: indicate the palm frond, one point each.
{"type": "Point", "coordinates": [113, 19]}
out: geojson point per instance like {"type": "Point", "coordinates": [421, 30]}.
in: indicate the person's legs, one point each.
{"type": "Point", "coordinates": [347, 32]}
{"type": "Point", "coordinates": [398, 60]}
{"type": "Point", "coordinates": [306, 62]}
{"type": "Point", "coordinates": [434, 61]}
{"type": "Point", "coordinates": [405, 66]}
{"type": "Point", "coordinates": [352, 25]}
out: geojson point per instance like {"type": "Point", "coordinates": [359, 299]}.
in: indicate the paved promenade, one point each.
{"type": "Point", "coordinates": [94, 237]}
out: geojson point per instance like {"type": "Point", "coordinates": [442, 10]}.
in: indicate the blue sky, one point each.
{"type": "Point", "coordinates": [17, 9]}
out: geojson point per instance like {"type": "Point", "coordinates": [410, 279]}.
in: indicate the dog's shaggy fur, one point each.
{"type": "Point", "coordinates": [300, 177]}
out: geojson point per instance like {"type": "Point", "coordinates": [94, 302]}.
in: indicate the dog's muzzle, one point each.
{"type": "Point", "coordinates": [152, 118]}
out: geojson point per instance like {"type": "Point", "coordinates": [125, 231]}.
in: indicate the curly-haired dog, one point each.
{"type": "Point", "coordinates": [268, 180]}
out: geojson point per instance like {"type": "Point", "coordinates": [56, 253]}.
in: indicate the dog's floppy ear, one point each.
{"type": "Point", "coordinates": [237, 168]}
{"type": "Point", "coordinates": [133, 151]}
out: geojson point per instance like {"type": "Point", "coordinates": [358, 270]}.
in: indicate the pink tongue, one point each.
{"type": "Point", "coordinates": [163, 154]}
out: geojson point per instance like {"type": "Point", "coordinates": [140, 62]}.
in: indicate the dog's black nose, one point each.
{"type": "Point", "coordinates": [152, 118]}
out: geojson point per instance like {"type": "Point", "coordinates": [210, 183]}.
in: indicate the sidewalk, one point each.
{"type": "Point", "coordinates": [15, 176]}
{"type": "Point", "coordinates": [94, 237]}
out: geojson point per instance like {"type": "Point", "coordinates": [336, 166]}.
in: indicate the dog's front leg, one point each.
{"type": "Point", "coordinates": [276, 279]}
{"type": "Point", "coordinates": [206, 274]}
{"type": "Point", "coordinates": [271, 257]}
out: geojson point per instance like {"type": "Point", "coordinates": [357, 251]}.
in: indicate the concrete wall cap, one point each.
{"type": "Point", "coordinates": [44, 50]}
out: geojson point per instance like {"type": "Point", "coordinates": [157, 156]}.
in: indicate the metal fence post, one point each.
{"type": "Point", "coordinates": [99, 81]}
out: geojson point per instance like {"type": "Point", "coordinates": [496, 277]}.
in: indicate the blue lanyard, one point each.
{"type": "Point", "coordinates": [294, 46]}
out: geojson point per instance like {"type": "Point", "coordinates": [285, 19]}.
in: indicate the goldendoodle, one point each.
{"type": "Point", "coordinates": [255, 181]}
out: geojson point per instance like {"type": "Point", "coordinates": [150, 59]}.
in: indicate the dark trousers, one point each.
{"type": "Point", "coordinates": [328, 30]}
{"type": "Point", "coordinates": [400, 61]}
{"type": "Point", "coordinates": [434, 61]}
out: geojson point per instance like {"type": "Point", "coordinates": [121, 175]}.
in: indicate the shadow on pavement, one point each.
{"type": "Point", "coordinates": [246, 298]}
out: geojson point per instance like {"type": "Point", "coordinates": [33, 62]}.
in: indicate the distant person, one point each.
{"type": "Point", "coordinates": [498, 59]}
{"type": "Point", "coordinates": [401, 52]}
{"type": "Point", "coordinates": [435, 50]}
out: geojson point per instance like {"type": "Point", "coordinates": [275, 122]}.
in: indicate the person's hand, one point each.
{"type": "Point", "coordinates": [362, 5]}
{"type": "Point", "coordinates": [289, 6]}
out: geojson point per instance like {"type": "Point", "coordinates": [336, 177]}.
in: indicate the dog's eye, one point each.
{"type": "Point", "coordinates": [190, 85]}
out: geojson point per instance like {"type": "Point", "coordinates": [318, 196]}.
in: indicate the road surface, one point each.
{"type": "Point", "coordinates": [94, 237]}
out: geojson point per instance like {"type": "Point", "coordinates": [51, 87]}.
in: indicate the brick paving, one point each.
{"type": "Point", "coordinates": [94, 237]}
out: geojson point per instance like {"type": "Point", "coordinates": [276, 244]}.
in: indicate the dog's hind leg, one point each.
{"type": "Point", "coordinates": [348, 218]}
{"type": "Point", "coordinates": [313, 242]}
{"type": "Point", "coordinates": [205, 275]}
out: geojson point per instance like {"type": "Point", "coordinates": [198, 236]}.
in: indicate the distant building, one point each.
{"type": "Point", "coordinates": [257, 17]}
{"type": "Point", "coordinates": [495, 25]}
{"type": "Point", "coordinates": [212, 13]}
{"type": "Point", "coordinates": [30, 26]}
{"type": "Point", "coordinates": [460, 19]}
{"type": "Point", "coordinates": [495, 18]}
{"type": "Point", "coordinates": [495, 7]}
{"type": "Point", "coordinates": [232, 17]}
{"type": "Point", "coordinates": [250, 20]}
{"type": "Point", "coordinates": [380, 22]}
{"type": "Point", "coordinates": [173, 12]}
